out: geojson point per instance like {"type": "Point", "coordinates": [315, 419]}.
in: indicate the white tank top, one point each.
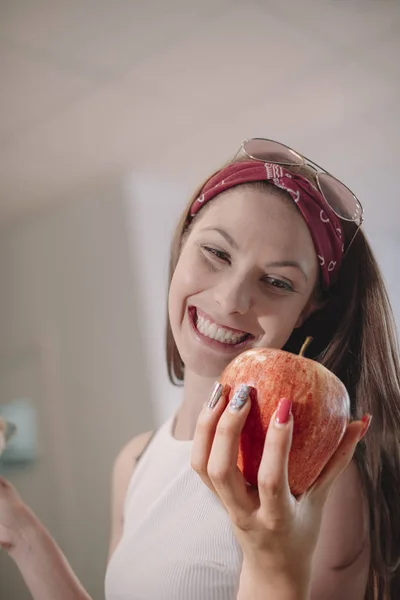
{"type": "Point", "coordinates": [177, 543]}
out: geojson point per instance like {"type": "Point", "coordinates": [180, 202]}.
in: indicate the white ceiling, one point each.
{"type": "Point", "coordinates": [94, 88]}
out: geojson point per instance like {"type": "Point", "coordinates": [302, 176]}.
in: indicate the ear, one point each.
{"type": "Point", "coordinates": [312, 306]}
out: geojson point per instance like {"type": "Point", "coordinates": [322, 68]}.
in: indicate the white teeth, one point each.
{"type": "Point", "coordinates": [213, 331]}
{"type": "Point", "coordinates": [220, 335]}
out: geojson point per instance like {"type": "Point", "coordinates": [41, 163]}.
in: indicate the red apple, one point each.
{"type": "Point", "coordinates": [321, 411]}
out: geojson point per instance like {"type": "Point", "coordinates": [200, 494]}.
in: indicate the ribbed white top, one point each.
{"type": "Point", "coordinates": [177, 543]}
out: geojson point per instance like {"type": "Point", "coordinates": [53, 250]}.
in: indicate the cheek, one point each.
{"type": "Point", "coordinates": [191, 274]}
{"type": "Point", "coordinates": [276, 331]}
{"type": "Point", "coordinates": [187, 281]}
{"type": "Point", "coordinates": [280, 321]}
{"type": "Point", "coordinates": [175, 297]}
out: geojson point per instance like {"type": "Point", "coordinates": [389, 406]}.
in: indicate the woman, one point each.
{"type": "Point", "coordinates": [268, 252]}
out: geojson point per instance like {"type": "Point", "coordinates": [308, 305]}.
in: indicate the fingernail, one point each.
{"type": "Point", "coordinates": [283, 412]}
{"type": "Point", "coordinates": [367, 422]}
{"type": "Point", "coordinates": [239, 399]}
{"type": "Point", "coordinates": [215, 396]}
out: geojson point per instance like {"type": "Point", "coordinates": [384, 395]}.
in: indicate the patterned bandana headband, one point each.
{"type": "Point", "coordinates": [324, 226]}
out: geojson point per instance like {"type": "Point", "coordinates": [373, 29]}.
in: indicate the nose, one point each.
{"type": "Point", "coordinates": [233, 296]}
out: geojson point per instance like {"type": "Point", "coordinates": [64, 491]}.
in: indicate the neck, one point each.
{"type": "Point", "coordinates": [196, 393]}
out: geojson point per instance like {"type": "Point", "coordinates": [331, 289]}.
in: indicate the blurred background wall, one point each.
{"type": "Point", "coordinates": [110, 114]}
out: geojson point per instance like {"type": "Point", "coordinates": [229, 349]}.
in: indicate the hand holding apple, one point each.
{"type": "Point", "coordinates": [320, 407]}
{"type": "Point", "coordinates": [277, 532]}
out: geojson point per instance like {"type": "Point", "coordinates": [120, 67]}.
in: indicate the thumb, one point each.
{"type": "Point", "coordinates": [339, 461]}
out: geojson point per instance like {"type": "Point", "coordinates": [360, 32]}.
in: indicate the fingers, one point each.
{"type": "Point", "coordinates": [205, 431]}
{"type": "Point", "coordinates": [340, 460]}
{"type": "Point", "coordinates": [215, 451]}
{"type": "Point", "coordinates": [273, 483]}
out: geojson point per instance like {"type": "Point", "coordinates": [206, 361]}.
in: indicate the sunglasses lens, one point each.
{"type": "Point", "coordinates": [340, 198]}
{"type": "Point", "coordinates": [268, 150]}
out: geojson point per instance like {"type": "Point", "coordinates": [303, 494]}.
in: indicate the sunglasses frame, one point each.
{"type": "Point", "coordinates": [304, 161]}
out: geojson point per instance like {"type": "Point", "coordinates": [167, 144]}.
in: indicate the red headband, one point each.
{"type": "Point", "coordinates": [325, 227]}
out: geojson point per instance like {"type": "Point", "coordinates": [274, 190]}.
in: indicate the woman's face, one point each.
{"type": "Point", "coordinates": [244, 279]}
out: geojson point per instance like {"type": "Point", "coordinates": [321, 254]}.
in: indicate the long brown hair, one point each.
{"type": "Point", "coordinates": [355, 337]}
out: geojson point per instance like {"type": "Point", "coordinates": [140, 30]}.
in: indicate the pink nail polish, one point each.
{"type": "Point", "coordinates": [284, 411]}
{"type": "Point", "coordinates": [367, 422]}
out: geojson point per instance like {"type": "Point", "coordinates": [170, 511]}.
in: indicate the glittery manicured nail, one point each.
{"type": "Point", "coordinates": [215, 396]}
{"type": "Point", "coordinates": [239, 399]}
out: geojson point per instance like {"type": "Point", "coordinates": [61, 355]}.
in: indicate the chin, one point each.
{"type": "Point", "coordinates": [205, 361]}
{"type": "Point", "coordinates": [207, 357]}
{"type": "Point", "coordinates": [204, 366]}
{"type": "Point", "coordinates": [202, 354]}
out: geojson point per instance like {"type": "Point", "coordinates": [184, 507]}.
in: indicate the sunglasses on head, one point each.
{"type": "Point", "coordinates": [338, 196]}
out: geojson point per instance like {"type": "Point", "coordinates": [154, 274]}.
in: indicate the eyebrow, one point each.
{"type": "Point", "coordinates": [225, 235]}
{"type": "Point", "coordinates": [288, 263]}
{"type": "Point", "coordinates": [276, 263]}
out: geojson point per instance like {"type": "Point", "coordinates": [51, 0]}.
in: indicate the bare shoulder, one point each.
{"type": "Point", "coordinates": [345, 520]}
{"type": "Point", "coordinates": [124, 465]}
{"type": "Point", "coordinates": [342, 556]}
{"type": "Point", "coordinates": [127, 456]}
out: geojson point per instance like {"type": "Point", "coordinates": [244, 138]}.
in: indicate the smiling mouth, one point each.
{"type": "Point", "coordinates": [216, 332]}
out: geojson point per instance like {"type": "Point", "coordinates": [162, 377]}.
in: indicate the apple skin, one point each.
{"type": "Point", "coordinates": [321, 411]}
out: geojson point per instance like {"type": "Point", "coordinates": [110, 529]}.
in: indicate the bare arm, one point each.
{"type": "Point", "coordinates": [342, 556]}
{"type": "Point", "coordinates": [255, 586]}
{"type": "Point", "coordinates": [341, 560]}
{"type": "Point", "coordinates": [41, 562]}
{"type": "Point", "coordinates": [43, 566]}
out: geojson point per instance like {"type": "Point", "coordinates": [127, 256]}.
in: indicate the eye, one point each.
{"type": "Point", "coordinates": [279, 284]}
{"type": "Point", "coordinates": [219, 255]}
